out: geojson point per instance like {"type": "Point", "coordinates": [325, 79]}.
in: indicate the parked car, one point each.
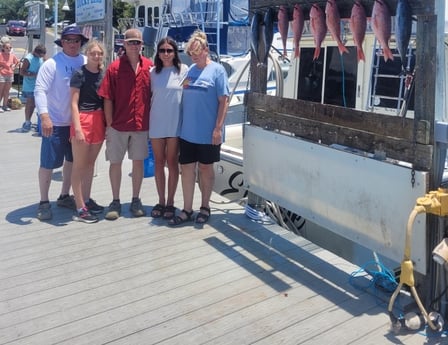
{"type": "Point", "coordinates": [63, 24]}
{"type": "Point", "coordinates": [49, 21]}
{"type": "Point", "coordinates": [16, 28]}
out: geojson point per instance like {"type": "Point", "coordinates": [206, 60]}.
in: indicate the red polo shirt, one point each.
{"type": "Point", "coordinates": [129, 92]}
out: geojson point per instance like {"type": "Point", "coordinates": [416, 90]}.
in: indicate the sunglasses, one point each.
{"type": "Point", "coordinates": [166, 51]}
{"type": "Point", "coordinates": [71, 40]}
{"type": "Point", "coordinates": [195, 53]}
{"type": "Point", "coordinates": [134, 43]}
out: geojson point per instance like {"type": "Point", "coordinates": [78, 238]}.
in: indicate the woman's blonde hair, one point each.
{"type": "Point", "coordinates": [95, 43]}
{"type": "Point", "coordinates": [196, 37]}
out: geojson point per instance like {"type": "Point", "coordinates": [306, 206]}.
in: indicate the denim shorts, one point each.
{"type": "Point", "coordinates": [28, 94]}
{"type": "Point", "coordinates": [55, 148]}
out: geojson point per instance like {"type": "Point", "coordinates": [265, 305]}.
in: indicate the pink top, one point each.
{"type": "Point", "coordinates": [8, 62]}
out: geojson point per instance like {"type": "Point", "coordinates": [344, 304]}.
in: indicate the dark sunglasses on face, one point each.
{"type": "Point", "coordinates": [166, 51]}
{"type": "Point", "coordinates": [134, 43]}
{"type": "Point", "coordinates": [71, 40]}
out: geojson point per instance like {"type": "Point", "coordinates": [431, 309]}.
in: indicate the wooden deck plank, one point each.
{"type": "Point", "coordinates": [136, 281]}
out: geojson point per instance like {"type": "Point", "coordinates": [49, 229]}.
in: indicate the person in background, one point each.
{"type": "Point", "coordinates": [87, 130]}
{"type": "Point", "coordinates": [126, 91]}
{"type": "Point", "coordinates": [8, 63]}
{"type": "Point", "coordinates": [53, 103]}
{"type": "Point", "coordinates": [164, 122]}
{"type": "Point", "coordinates": [30, 66]}
{"type": "Point", "coordinates": [5, 39]}
{"type": "Point", "coordinates": [204, 109]}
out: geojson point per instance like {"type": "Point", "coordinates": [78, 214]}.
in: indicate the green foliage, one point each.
{"type": "Point", "coordinates": [12, 9]}
{"type": "Point", "coordinates": [15, 9]}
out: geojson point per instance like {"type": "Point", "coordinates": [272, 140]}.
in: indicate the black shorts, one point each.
{"type": "Point", "coordinates": [202, 153]}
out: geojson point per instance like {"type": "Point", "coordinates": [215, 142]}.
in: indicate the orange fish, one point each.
{"type": "Point", "coordinates": [283, 25]}
{"type": "Point", "coordinates": [381, 26]}
{"type": "Point", "coordinates": [333, 21]}
{"type": "Point", "coordinates": [318, 28]}
{"type": "Point", "coordinates": [298, 21]}
{"type": "Point", "coordinates": [358, 25]}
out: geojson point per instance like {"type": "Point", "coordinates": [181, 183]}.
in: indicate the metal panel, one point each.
{"type": "Point", "coordinates": [360, 198]}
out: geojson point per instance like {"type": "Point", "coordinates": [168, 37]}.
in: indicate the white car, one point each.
{"type": "Point", "coordinates": [64, 24]}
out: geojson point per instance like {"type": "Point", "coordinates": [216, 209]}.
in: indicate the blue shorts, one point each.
{"type": "Point", "coordinates": [55, 148]}
{"type": "Point", "coordinates": [28, 94]}
{"type": "Point", "coordinates": [202, 153]}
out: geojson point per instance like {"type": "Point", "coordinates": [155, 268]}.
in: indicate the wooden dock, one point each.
{"type": "Point", "coordinates": [137, 281]}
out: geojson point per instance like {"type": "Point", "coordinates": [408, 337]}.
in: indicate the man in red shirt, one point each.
{"type": "Point", "coordinates": [126, 90]}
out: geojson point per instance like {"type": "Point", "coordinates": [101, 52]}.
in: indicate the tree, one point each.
{"type": "Point", "coordinates": [12, 9]}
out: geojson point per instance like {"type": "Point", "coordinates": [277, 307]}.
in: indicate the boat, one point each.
{"type": "Point", "coordinates": [224, 21]}
{"type": "Point", "coordinates": [372, 86]}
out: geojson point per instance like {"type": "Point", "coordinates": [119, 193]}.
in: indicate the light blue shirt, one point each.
{"type": "Point", "coordinates": [166, 87]}
{"type": "Point", "coordinates": [200, 101]}
{"type": "Point", "coordinates": [34, 64]}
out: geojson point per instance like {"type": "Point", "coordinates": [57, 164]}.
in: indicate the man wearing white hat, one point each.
{"type": "Point", "coordinates": [52, 97]}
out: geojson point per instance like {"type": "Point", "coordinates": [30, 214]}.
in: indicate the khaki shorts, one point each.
{"type": "Point", "coordinates": [6, 78]}
{"type": "Point", "coordinates": [117, 143]}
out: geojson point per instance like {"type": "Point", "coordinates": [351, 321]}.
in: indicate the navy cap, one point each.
{"type": "Point", "coordinates": [71, 30]}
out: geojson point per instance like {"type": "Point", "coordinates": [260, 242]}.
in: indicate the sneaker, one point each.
{"type": "Point", "coordinates": [67, 201]}
{"type": "Point", "coordinates": [85, 216]}
{"type": "Point", "coordinates": [114, 211]}
{"type": "Point", "coordinates": [6, 109]}
{"type": "Point", "coordinates": [26, 127]}
{"type": "Point", "coordinates": [93, 207]}
{"type": "Point", "coordinates": [1, 110]}
{"type": "Point", "coordinates": [44, 211]}
{"type": "Point", "coordinates": [137, 208]}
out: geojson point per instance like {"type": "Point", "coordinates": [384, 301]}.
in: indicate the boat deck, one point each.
{"type": "Point", "coordinates": [137, 281]}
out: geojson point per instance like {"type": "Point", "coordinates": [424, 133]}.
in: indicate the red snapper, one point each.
{"type": "Point", "coordinates": [381, 26]}
{"type": "Point", "coordinates": [333, 21]}
{"type": "Point", "coordinates": [283, 25]}
{"type": "Point", "coordinates": [298, 21]}
{"type": "Point", "coordinates": [358, 25]}
{"type": "Point", "coordinates": [318, 28]}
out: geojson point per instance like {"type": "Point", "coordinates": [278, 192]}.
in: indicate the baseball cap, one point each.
{"type": "Point", "coordinates": [133, 35]}
{"type": "Point", "coordinates": [71, 30]}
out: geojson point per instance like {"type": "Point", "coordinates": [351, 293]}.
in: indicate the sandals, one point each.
{"type": "Point", "coordinates": [169, 212]}
{"type": "Point", "coordinates": [202, 217]}
{"type": "Point", "coordinates": [158, 211]}
{"type": "Point", "coordinates": [178, 220]}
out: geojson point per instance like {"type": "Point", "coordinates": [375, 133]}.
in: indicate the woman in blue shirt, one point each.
{"type": "Point", "coordinates": [204, 108]}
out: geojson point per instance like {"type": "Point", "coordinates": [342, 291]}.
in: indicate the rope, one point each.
{"type": "Point", "coordinates": [379, 278]}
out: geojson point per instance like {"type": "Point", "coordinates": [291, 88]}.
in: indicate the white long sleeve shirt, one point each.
{"type": "Point", "coordinates": [52, 91]}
